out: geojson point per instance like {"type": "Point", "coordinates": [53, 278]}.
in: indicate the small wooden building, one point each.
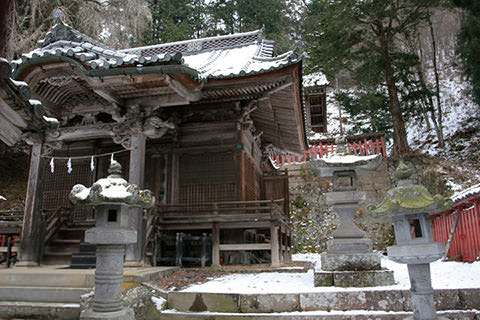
{"type": "Point", "coordinates": [195, 121]}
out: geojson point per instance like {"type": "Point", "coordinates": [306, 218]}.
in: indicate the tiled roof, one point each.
{"type": "Point", "coordinates": [214, 57]}
{"type": "Point", "coordinates": [467, 193]}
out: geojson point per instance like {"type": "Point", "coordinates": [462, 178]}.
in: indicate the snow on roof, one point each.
{"type": "Point", "coordinates": [214, 57]}
{"type": "Point", "coordinates": [315, 79]}
{"type": "Point", "coordinates": [473, 190]}
{"type": "Point", "coordinates": [334, 158]}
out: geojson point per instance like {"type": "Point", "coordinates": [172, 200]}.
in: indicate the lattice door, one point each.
{"type": "Point", "coordinates": [57, 186]}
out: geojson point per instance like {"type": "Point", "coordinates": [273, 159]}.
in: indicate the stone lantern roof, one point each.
{"type": "Point", "coordinates": [112, 190]}
{"type": "Point", "coordinates": [408, 198]}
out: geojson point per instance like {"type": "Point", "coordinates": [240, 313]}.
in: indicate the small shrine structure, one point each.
{"type": "Point", "coordinates": [196, 121]}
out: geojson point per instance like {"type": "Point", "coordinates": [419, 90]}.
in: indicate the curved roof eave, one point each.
{"type": "Point", "coordinates": [131, 70]}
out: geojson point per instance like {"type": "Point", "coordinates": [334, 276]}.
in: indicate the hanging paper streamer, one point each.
{"type": "Point", "coordinates": [92, 164]}
{"type": "Point", "coordinates": [111, 158]}
{"type": "Point", "coordinates": [52, 165]}
{"type": "Point", "coordinates": [69, 165]}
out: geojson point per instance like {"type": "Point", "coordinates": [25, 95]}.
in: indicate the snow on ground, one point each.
{"type": "Point", "coordinates": [444, 275]}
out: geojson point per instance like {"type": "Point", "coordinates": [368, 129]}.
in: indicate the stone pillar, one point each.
{"type": "Point", "coordinates": [422, 292]}
{"type": "Point", "coordinates": [134, 254]}
{"type": "Point", "coordinates": [109, 278]}
{"type": "Point", "coordinates": [31, 237]}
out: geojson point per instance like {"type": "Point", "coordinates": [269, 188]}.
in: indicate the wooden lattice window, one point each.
{"type": "Point", "coordinates": [317, 102]}
{"type": "Point", "coordinates": [207, 177]}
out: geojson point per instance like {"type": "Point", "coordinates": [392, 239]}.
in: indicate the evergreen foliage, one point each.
{"type": "Point", "coordinates": [361, 39]}
{"type": "Point", "coordinates": [468, 46]}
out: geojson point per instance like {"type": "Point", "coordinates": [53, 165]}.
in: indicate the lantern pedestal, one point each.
{"type": "Point", "coordinates": [349, 260]}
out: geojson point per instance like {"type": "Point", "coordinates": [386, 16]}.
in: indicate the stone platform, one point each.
{"type": "Point", "coordinates": [365, 304]}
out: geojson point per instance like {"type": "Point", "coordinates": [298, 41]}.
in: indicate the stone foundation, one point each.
{"type": "Point", "coordinates": [350, 262]}
{"type": "Point", "coordinates": [369, 278]}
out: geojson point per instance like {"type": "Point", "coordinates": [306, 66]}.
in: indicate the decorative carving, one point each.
{"type": "Point", "coordinates": [49, 147]}
{"type": "Point", "coordinates": [154, 127]}
{"type": "Point", "coordinates": [89, 119]}
{"type": "Point", "coordinates": [60, 81]}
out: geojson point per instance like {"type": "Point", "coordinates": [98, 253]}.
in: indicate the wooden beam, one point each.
{"type": "Point", "coordinates": [156, 101]}
{"type": "Point", "coordinates": [80, 133]}
{"type": "Point", "coordinates": [11, 115]}
{"type": "Point", "coordinates": [107, 96]}
{"type": "Point", "coordinates": [178, 87]}
{"type": "Point", "coordinates": [245, 246]}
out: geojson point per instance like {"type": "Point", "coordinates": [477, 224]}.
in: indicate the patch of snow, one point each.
{"type": "Point", "coordinates": [159, 302]}
{"type": "Point", "coordinates": [334, 158]}
{"type": "Point", "coordinates": [35, 102]}
{"type": "Point", "coordinates": [445, 275]}
{"type": "Point", "coordinates": [315, 79]}
{"type": "Point", "coordinates": [51, 120]}
{"type": "Point", "coordinates": [114, 188]}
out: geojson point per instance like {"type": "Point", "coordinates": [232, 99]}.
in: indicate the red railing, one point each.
{"type": "Point", "coordinates": [357, 145]}
{"type": "Point", "coordinates": [465, 236]}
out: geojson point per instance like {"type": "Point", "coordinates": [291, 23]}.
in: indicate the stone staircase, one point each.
{"type": "Point", "coordinates": [38, 293]}
{"type": "Point", "coordinates": [458, 304]}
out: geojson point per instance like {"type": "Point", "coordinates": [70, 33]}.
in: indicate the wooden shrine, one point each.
{"type": "Point", "coordinates": [195, 121]}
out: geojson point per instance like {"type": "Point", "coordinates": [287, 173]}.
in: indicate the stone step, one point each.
{"type": "Point", "coordinates": [42, 294]}
{"type": "Point", "coordinates": [39, 310]}
{"type": "Point", "coordinates": [379, 300]}
{"type": "Point", "coordinates": [32, 278]}
{"type": "Point", "coordinates": [325, 315]}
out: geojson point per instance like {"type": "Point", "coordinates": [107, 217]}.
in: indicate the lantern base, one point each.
{"type": "Point", "coordinates": [124, 314]}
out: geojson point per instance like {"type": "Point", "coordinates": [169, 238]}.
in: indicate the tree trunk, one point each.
{"type": "Point", "coordinates": [6, 7]}
{"type": "Point", "coordinates": [439, 127]}
{"type": "Point", "coordinates": [399, 132]}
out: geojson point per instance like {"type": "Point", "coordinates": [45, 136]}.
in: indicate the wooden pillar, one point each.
{"type": "Point", "coordinates": [284, 247]}
{"type": "Point", "coordinates": [274, 245]}
{"type": "Point", "coordinates": [31, 237]}
{"type": "Point", "coordinates": [215, 245]}
{"type": "Point", "coordinates": [134, 252]}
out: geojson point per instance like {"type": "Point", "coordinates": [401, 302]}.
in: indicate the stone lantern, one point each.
{"type": "Point", "coordinates": [409, 205]}
{"type": "Point", "coordinates": [111, 197]}
{"type": "Point", "coordinates": [349, 260]}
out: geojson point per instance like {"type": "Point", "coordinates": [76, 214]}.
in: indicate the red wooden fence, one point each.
{"type": "Point", "coordinates": [357, 145]}
{"type": "Point", "coordinates": [465, 245]}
